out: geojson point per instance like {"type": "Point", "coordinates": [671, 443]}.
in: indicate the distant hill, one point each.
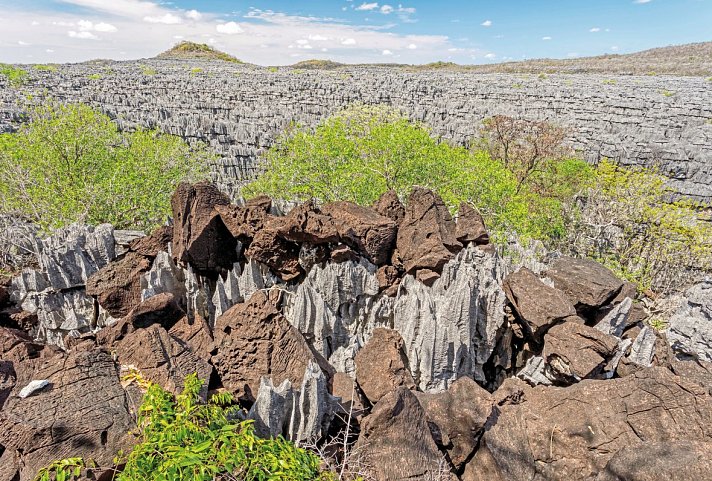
{"type": "Point", "coordinates": [690, 59]}
{"type": "Point", "coordinates": [318, 64]}
{"type": "Point", "coordinates": [192, 50]}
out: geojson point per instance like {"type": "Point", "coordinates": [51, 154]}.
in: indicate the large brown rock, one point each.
{"type": "Point", "coordinates": [254, 339]}
{"type": "Point", "coordinates": [396, 441]}
{"type": "Point", "coordinates": [470, 225]}
{"type": "Point", "coordinates": [162, 358]}
{"type": "Point", "coordinates": [381, 365]}
{"type": "Point", "coordinates": [457, 417]}
{"type": "Point", "coordinates": [537, 304]}
{"type": "Point", "coordinates": [83, 412]}
{"type": "Point", "coordinates": [576, 351]}
{"type": "Point", "coordinates": [661, 461]}
{"type": "Point", "coordinates": [117, 286]}
{"type": "Point", "coordinates": [389, 205]}
{"type": "Point", "coordinates": [571, 434]}
{"type": "Point", "coordinates": [306, 223]}
{"type": "Point", "coordinates": [280, 255]}
{"type": "Point", "coordinates": [200, 237]}
{"type": "Point", "coordinates": [196, 333]}
{"type": "Point", "coordinates": [151, 245]}
{"type": "Point", "coordinates": [587, 283]}
{"type": "Point", "coordinates": [244, 222]}
{"type": "Point", "coordinates": [365, 230]}
{"type": "Point", "coordinates": [426, 237]}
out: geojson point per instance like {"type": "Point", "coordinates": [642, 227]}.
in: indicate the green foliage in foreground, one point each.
{"type": "Point", "coordinates": [183, 439]}
{"type": "Point", "coordinates": [70, 163]}
{"type": "Point", "coordinates": [15, 75]}
{"type": "Point", "coordinates": [363, 151]}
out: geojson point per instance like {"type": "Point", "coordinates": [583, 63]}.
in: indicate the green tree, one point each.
{"type": "Point", "coordinates": [70, 163]}
{"type": "Point", "coordinates": [363, 151]}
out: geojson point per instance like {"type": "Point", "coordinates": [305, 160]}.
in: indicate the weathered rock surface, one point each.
{"type": "Point", "coordinates": [572, 433]}
{"type": "Point", "coordinates": [200, 237]}
{"type": "Point", "coordinates": [280, 255]}
{"type": "Point", "coordinates": [243, 222]}
{"type": "Point", "coordinates": [690, 328]}
{"type": "Point", "coordinates": [363, 229]}
{"type": "Point", "coordinates": [396, 439]}
{"type": "Point", "coordinates": [457, 418]}
{"type": "Point", "coordinates": [298, 415]}
{"type": "Point", "coordinates": [538, 305]}
{"type": "Point", "coordinates": [306, 223]}
{"type": "Point", "coordinates": [470, 225]}
{"type": "Point", "coordinates": [117, 286]}
{"type": "Point", "coordinates": [587, 283]}
{"type": "Point", "coordinates": [254, 340]}
{"type": "Point", "coordinates": [389, 205]}
{"type": "Point", "coordinates": [426, 236]}
{"type": "Point", "coordinates": [82, 412]}
{"type": "Point", "coordinates": [575, 351]}
{"type": "Point", "coordinates": [679, 460]}
{"type": "Point", "coordinates": [381, 365]}
{"type": "Point", "coordinates": [451, 329]}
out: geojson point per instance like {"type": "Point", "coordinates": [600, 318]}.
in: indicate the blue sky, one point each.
{"type": "Point", "coordinates": [276, 32]}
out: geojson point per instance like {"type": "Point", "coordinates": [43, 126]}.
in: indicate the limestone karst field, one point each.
{"type": "Point", "coordinates": [214, 270]}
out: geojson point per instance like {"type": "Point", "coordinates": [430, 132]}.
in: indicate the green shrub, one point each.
{"type": "Point", "coordinates": [44, 68]}
{"type": "Point", "coordinates": [70, 163]}
{"type": "Point", "coordinates": [94, 76]}
{"type": "Point", "coordinates": [15, 75]}
{"type": "Point", "coordinates": [181, 438]}
{"type": "Point", "coordinates": [630, 223]}
{"type": "Point", "coordinates": [146, 70]}
{"type": "Point", "coordinates": [363, 151]}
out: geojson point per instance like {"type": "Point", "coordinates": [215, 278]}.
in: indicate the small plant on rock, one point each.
{"type": "Point", "coordinates": [15, 75]}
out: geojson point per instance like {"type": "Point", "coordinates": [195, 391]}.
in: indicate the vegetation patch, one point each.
{"type": "Point", "coordinates": [14, 75]}
{"type": "Point", "coordinates": [70, 163]}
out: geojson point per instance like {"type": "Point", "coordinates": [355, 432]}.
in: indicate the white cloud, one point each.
{"type": "Point", "coordinates": [193, 15]}
{"type": "Point", "coordinates": [35, 23]}
{"type": "Point", "coordinates": [615, 48]}
{"type": "Point", "coordinates": [572, 54]}
{"type": "Point", "coordinates": [83, 35]}
{"type": "Point", "coordinates": [546, 38]}
{"type": "Point", "coordinates": [104, 27]}
{"type": "Point", "coordinates": [167, 18]}
{"type": "Point", "coordinates": [24, 44]}
{"type": "Point", "coordinates": [641, 1]}
{"type": "Point", "coordinates": [490, 56]}
{"type": "Point", "coordinates": [229, 28]}
{"type": "Point", "coordinates": [89, 26]}
{"type": "Point", "coordinates": [348, 41]}
{"type": "Point", "coordinates": [318, 38]}
{"type": "Point", "coordinates": [487, 23]}
{"type": "Point", "coordinates": [387, 52]}
{"type": "Point", "coordinates": [367, 6]}
{"type": "Point", "coordinates": [122, 8]}
{"type": "Point", "coordinates": [49, 50]}
{"type": "Point", "coordinates": [386, 9]}
{"type": "Point", "coordinates": [412, 46]}
{"type": "Point", "coordinates": [594, 30]}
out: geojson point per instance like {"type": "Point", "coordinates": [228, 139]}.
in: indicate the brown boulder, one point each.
{"type": "Point", "coordinates": [576, 351]}
{"type": "Point", "coordinates": [457, 417]}
{"type": "Point", "coordinates": [117, 286]}
{"type": "Point", "coordinates": [381, 365]}
{"type": "Point", "coordinates": [161, 358]}
{"type": "Point", "coordinates": [537, 304]}
{"type": "Point", "coordinates": [680, 460]}
{"type": "Point", "coordinates": [587, 283]}
{"type": "Point", "coordinates": [196, 334]}
{"type": "Point", "coordinates": [343, 253]}
{"type": "Point", "coordinates": [389, 205]}
{"type": "Point", "coordinates": [363, 229]}
{"type": "Point", "coordinates": [306, 223]}
{"type": "Point", "coordinates": [280, 255]}
{"type": "Point", "coordinates": [570, 434]}
{"type": "Point", "coordinates": [254, 339]}
{"type": "Point", "coordinates": [81, 413]}
{"type": "Point", "coordinates": [200, 237]}
{"type": "Point", "coordinates": [396, 441]}
{"type": "Point", "coordinates": [244, 222]}
{"type": "Point", "coordinates": [352, 401]}
{"type": "Point", "coordinates": [426, 237]}
{"type": "Point", "coordinates": [387, 276]}
{"type": "Point", "coordinates": [151, 245]}
{"type": "Point", "coordinates": [470, 225]}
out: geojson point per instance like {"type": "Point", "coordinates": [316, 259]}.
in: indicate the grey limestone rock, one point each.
{"type": "Point", "coordinates": [690, 328]}
{"type": "Point", "coordinates": [451, 329]}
